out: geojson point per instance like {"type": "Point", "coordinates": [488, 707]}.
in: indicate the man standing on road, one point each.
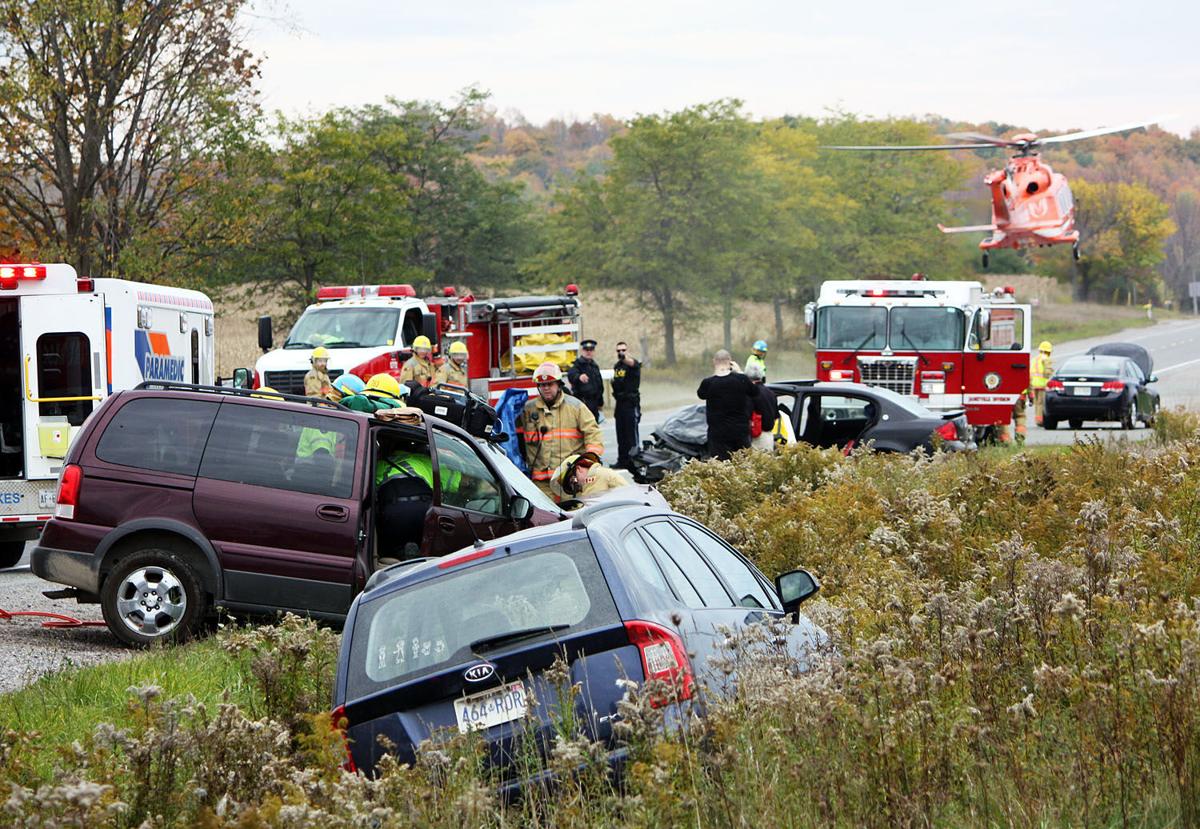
{"type": "Point", "coordinates": [729, 399]}
{"type": "Point", "coordinates": [419, 366]}
{"type": "Point", "coordinates": [553, 426]}
{"type": "Point", "coordinates": [1039, 374]}
{"type": "Point", "coordinates": [316, 381]}
{"type": "Point", "coordinates": [627, 410]}
{"type": "Point", "coordinates": [586, 381]}
{"type": "Point", "coordinates": [454, 370]}
{"type": "Point", "coordinates": [758, 357]}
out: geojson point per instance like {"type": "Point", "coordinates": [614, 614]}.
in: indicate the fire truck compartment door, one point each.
{"type": "Point", "coordinates": [996, 366]}
{"type": "Point", "coordinates": [63, 374]}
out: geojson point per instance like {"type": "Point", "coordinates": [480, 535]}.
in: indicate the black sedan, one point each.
{"type": "Point", "coordinates": [1100, 387]}
{"type": "Point", "coordinates": [842, 415]}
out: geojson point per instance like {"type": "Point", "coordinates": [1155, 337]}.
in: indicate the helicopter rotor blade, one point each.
{"type": "Point", "coordinates": [906, 147]}
{"type": "Point", "coordinates": [978, 136]}
{"type": "Point", "coordinates": [1082, 134]}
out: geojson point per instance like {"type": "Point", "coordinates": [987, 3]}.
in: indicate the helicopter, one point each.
{"type": "Point", "coordinates": [1031, 204]}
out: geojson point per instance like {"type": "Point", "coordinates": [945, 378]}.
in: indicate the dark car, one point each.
{"type": "Point", "coordinates": [842, 415]}
{"type": "Point", "coordinates": [625, 591]}
{"type": "Point", "coordinates": [175, 500]}
{"type": "Point", "coordinates": [1100, 387]}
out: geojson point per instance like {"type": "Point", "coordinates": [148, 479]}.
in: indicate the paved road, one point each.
{"type": "Point", "coordinates": [1174, 345]}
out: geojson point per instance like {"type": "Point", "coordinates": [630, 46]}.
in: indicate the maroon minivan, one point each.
{"type": "Point", "coordinates": [175, 500]}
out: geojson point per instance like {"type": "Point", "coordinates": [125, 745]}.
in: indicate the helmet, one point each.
{"type": "Point", "coordinates": [386, 385]}
{"type": "Point", "coordinates": [422, 342]}
{"type": "Point", "coordinates": [564, 475]}
{"type": "Point", "coordinates": [349, 384]}
{"type": "Point", "coordinates": [1045, 346]}
{"type": "Point", "coordinates": [760, 345]}
{"type": "Point", "coordinates": [458, 347]}
{"type": "Point", "coordinates": [319, 353]}
{"type": "Point", "coordinates": [547, 372]}
{"type": "Point", "coordinates": [267, 393]}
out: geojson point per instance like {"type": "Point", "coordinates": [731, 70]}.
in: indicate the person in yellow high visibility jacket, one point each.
{"type": "Point", "coordinates": [554, 426]}
{"type": "Point", "coordinates": [1040, 371]}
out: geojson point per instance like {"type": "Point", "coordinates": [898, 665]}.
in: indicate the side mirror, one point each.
{"type": "Point", "coordinates": [796, 587]}
{"type": "Point", "coordinates": [520, 508]}
{"type": "Point", "coordinates": [810, 319]}
{"type": "Point", "coordinates": [1153, 378]}
{"type": "Point", "coordinates": [241, 378]}
{"type": "Point", "coordinates": [429, 327]}
{"type": "Point", "coordinates": [266, 339]}
{"type": "Point", "coordinates": [985, 325]}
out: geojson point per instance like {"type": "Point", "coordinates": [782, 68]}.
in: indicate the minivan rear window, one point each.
{"type": "Point", "coordinates": [158, 433]}
{"type": "Point", "coordinates": [422, 629]}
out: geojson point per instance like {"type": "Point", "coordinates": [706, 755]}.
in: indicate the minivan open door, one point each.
{"type": "Point", "coordinates": [64, 374]}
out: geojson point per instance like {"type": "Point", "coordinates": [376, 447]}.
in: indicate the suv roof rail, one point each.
{"type": "Point", "coordinates": [380, 576]}
{"type": "Point", "coordinates": [586, 515]}
{"type": "Point", "coordinates": [231, 391]}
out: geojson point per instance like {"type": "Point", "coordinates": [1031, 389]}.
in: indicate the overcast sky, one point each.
{"type": "Point", "coordinates": [1047, 65]}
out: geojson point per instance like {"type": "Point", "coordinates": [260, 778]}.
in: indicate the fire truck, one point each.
{"type": "Point", "coordinates": [369, 329]}
{"type": "Point", "coordinates": [66, 343]}
{"type": "Point", "coordinates": [948, 345]}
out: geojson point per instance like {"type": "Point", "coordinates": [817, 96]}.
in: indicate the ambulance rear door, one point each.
{"type": "Point", "coordinates": [63, 373]}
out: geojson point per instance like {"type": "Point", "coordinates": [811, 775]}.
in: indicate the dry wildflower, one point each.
{"type": "Point", "coordinates": [1070, 607]}
{"type": "Point", "coordinates": [1023, 709]}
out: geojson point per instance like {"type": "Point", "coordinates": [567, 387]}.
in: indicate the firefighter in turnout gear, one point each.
{"type": "Point", "coordinates": [583, 477]}
{"type": "Point", "coordinates": [419, 366]}
{"type": "Point", "coordinates": [1039, 374]}
{"type": "Point", "coordinates": [316, 381]}
{"type": "Point", "coordinates": [553, 426]}
{"type": "Point", "coordinates": [454, 370]}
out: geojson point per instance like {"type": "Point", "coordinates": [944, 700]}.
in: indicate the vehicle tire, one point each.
{"type": "Point", "coordinates": [1127, 415]}
{"type": "Point", "coordinates": [1049, 423]}
{"type": "Point", "coordinates": [153, 595]}
{"type": "Point", "coordinates": [1076, 423]}
{"type": "Point", "coordinates": [10, 553]}
{"type": "Point", "coordinates": [1152, 418]}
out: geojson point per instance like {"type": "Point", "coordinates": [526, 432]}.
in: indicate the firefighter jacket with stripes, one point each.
{"type": "Point", "coordinates": [317, 383]}
{"type": "Point", "coordinates": [417, 369]}
{"type": "Point", "coordinates": [552, 432]}
{"type": "Point", "coordinates": [450, 372]}
{"type": "Point", "coordinates": [1039, 372]}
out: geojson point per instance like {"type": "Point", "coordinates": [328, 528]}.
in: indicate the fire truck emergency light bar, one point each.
{"type": "Point", "coordinates": [910, 292]}
{"type": "Point", "coordinates": [364, 291]}
{"type": "Point", "coordinates": [11, 274]}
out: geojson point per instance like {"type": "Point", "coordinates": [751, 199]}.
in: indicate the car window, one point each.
{"type": "Point", "coordinates": [158, 433]}
{"type": "Point", "coordinates": [466, 480]}
{"type": "Point", "coordinates": [645, 567]}
{"type": "Point", "coordinates": [284, 449]}
{"type": "Point", "coordinates": [1004, 330]}
{"type": "Point", "coordinates": [408, 633]}
{"type": "Point", "coordinates": [1091, 366]}
{"type": "Point", "coordinates": [690, 565]}
{"type": "Point", "coordinates": [733, 569]}
{"type": "Point", "coordinates": [518, 480]}
{"type": "Point", "coordinates": [838, 408]}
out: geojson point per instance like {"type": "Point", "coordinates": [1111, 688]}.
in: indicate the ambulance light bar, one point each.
{"type": "Point", "coordinates": [11, 274]}
{"type": "Point", "coordinates": [363, 291]}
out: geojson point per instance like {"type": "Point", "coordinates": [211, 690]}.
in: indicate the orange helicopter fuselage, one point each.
{"type": "Point", "coordinates": [1031, 205]}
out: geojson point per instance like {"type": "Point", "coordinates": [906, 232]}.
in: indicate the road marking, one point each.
{"type": "Point", "coordinates": [1177, 365]}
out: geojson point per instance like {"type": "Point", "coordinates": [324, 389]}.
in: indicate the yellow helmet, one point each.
{"type": "Point", "coordinates": [422, 342]}
{"type": "Point", "coordinates": [267, 393]}
{"type": "Point", "coordinates": [319, 353]}
{"type": "Point", "coordinates": [384, 384]}
{"type": "Point", "coordinates": [1045, 346]}
{"type": "Point", "coordinates": [458, 347]}
{"type": "Point", "coordinates": [564, 479]}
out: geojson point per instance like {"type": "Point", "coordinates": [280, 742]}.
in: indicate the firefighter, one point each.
{"type": "Point", "coordinates": [419, 366]}
{"type": "Point", "coordinates": [758, 357]}
{"type": "Point", "coordinates": [1039, 374]}
{"type": "Point", "coordinates": [586, 381]}
{"type": "Point", "coordinates": [316, 381]}
{"type": "Point", "coordinates": [583, 477]}
{"type": "Point", "coordinates": [553, 426]}
{"type": "Point", "coordinates": [627, 406]}
{"type": "Point", "coordinates": [454, 370]}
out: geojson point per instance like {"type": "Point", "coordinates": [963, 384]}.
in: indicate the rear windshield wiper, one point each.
{"type": "Point", "coordinates": [908, 339]}
{"type": "Point", "coordinates": [488, 642]}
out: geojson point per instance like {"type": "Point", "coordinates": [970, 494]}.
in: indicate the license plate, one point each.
{"type": "Point", "coordinates": [46, 499]}
{"type": "Point", "coordinates": [1082, 391]}
{"type": "Point", "coordinates": [499, 705]}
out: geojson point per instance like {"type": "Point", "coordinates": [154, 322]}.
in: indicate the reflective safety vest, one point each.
{"type": "Point", "coordinates": [754, 359]}
{"type": "Point", "coordinates": [312, 440]}
{"type": "Point", "coordinates": [552, 433]}
{"type": "Point", "coordinates": [1040, 371]}
{"type": "Point", "coordinates": [414, 465]}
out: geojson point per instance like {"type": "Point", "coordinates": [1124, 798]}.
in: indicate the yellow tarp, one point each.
{"type": "Point", "coordinates": [526, 363]}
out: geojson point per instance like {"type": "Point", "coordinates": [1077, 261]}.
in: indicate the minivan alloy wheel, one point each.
{"type": "Point", "coordinates": [151, 601]}
{"type": "Point", "coordinates": [153, 595]}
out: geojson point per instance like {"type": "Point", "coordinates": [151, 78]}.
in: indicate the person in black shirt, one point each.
{"type": "Point", "coordinates": [586, 381]}
{"type": "Point", "coordinates": [627, 411]}
{"type": "Point", "coordinates": [729, 398]}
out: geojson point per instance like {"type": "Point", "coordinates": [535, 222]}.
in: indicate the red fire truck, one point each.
{"type": "Point", "coordinates": [949, 345]}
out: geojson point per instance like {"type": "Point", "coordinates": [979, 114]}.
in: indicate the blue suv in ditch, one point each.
{"type": "Point", "coordinates": [627, 591]}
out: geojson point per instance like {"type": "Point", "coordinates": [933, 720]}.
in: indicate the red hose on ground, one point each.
{"type": "Point", "coordinates": [58, 620]}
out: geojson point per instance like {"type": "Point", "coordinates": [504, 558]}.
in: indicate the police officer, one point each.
{"type": "Point", "coordinates": [586, 381]}
{"type": "Point", "coordinates": [627, 411]}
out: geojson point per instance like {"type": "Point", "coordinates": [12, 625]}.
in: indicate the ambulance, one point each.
{"type": "Point", "coordinates": [66, 343]}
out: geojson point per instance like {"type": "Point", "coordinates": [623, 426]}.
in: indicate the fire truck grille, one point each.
{"type": "Point", "coordinates": [292, 382]}
{"type": "Point", "coordinates": [891, 373]}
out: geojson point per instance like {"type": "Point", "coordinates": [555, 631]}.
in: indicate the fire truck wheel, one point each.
{"type": "Point", "coordinates": [1076, 423]}
{"type": "Point", "coordinates": [11, 552]}
{"type": "Point", "coordinates": [152, 595]}
{"type": "Point", "coordinates": [1049, 423]}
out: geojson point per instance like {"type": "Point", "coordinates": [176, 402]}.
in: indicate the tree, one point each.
{"type": "Point", "coordinates": [107, 108]}
{"type": "Point", "coordinates": [1181, 262]}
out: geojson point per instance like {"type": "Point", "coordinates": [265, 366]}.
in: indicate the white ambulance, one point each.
{"type": "Point", "coordinates": [66, 343]}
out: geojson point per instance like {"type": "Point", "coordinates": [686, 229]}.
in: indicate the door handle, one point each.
{"type": "Point", "coordinates": [447, 525]}
{"type": "Point", "coordinates": [332, 512]}
{"type": "Point", "coordinates": [1020, 365]}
